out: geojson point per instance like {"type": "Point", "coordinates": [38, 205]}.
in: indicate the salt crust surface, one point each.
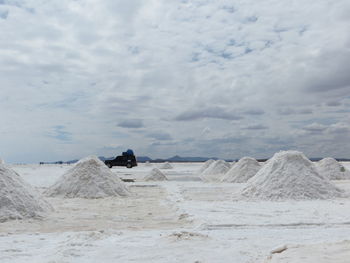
{"type": "Point", "coordinates": [289, 175]}
{"type": "Point", "coordinates": [19, 200]}
{"type": "Point", "coordinates": [242, 171]}
{"type": "Point", "coordinates": [215, 171]}
{"type": "Point", "coordinates": [166, 165]}
{"type": "Point", "coordinates": [155, 175]}
{"type": "Point", "coordinates": [338, 252]}
{"type": "Point", "coordinates": [330, 168]}
{"type": "Point", "coordinates": [89, 178]}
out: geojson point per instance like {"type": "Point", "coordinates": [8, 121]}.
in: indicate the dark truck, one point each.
{"type": "Point", "coordinates": [127, 159]}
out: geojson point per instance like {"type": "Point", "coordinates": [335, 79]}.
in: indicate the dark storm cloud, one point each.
{"type": "Point", "coordinates": [211, 113]}
{"type": "Point", "coordinates": [132, 123]}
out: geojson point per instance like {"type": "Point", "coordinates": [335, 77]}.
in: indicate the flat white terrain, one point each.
{"type": "Point", "coordinates": [180, 220]}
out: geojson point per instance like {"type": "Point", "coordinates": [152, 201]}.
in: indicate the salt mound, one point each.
{"type": "Point", "coordinates": [205, 165]}
{"type": "Point", "coordinates": [215, 171]}
{"type": "Point", "coordinates": [147, 163]}
{"type": "Point", "coordinates": [19, 200]}
{"type": "Point", "coordinates": [155, 175]}
{"type": "Point", "coordinates": [242, 171]}
{"type": "Point", "coordinates": [89, 178]}
{"type": "Point", "coordinates": [289, 175]}
{"type": "Point", "coordinates": [2, 161]}
{"type": "Point", "coordinates": [166, 165]}
{"type": "Point", "coordinates": [330, 168]}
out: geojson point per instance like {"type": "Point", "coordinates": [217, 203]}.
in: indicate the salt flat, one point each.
{"type": "Point", "coordinates": [180, 220]}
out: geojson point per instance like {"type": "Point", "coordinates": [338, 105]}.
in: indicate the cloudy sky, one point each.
{"type": "Point", "coordinates": [194, 78]}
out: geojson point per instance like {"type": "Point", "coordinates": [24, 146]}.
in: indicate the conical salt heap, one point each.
{"type": "Point", "coordinates": [19, 200]}
{"type": "Point", "coordinates": [205, 165]}
{"type": "Point", "coordinates": [156, 175]}
{"type": "Point", "coordinates": [166, 165]}
{"type": "Point", "coordinates": [147, 163]}
{"type": "Point", "coordinates": [89, 178]}
{"type": "Point", "coordinates": [290, 175]}
{"type": "Point", "coordinates": [215, 171]}
{"type": "Point", "coordinates": [242, 171]}
{"type": "Point", "coordinates": [330, 168]}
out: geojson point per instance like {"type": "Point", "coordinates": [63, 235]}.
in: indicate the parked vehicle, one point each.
{"type": "Point", "coordinates": [127, 159]}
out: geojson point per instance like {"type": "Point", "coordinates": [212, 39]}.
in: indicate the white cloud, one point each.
{"type": "Point", "coordinates": [89, 65]}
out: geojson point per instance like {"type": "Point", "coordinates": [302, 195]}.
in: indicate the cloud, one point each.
{"type": "Point", "coordinates": [339, 128]}
{"type": "Point", "coordinates": [4, 14]}
{"type": "Point", "coordinates": [60, 133]}
{"type": "Point", "coordinates": [333, 103]}
{"type": "Point", "coordinates": [315, 128]}
{"type": "Point", "coordinates": [290, 111]}
{"type": "Point", "coordinates": [255, 127]}
{"type": "Point", "coordinates": [157, 144]}
{"type": "Point", "coordinates": [161, 136]}
{"type": "Point", "coordinates": [189, 68]}
{"type": "Point", "coordinates": [211, 112]}
{"type": "Point", "coordinates": [336, 76]}
{"type": "Point", "coordinates": [133, 123]}
{"type": "Point", "coordinates": [286, 111]}
{"type": "Point", "coordinates": [305, 111]}
{"type": "Point", "coordinates": [254, 112]}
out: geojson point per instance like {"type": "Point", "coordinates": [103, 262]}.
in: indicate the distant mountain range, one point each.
{"type": "Point", "coordinates": [176, 158]}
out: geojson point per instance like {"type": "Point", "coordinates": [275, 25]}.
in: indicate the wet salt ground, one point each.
{"type": "Point", "coordinates": [201, 223]}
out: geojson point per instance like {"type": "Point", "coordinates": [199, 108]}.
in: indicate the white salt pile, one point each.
{"type": "Point", "coordinates": [89, 178]}
{"type": "Point", "coordinates": [215, 171]}
{"type": "Point", "coordinates": [147, 163]}
{"type": "Point", "coordinates": [166, 165]}
{"type": "Point", "coordinates": [19, 200]}
{"type": "Point", "coordinates": [155, 175]}
{"type": "Point", "coordinates": [2, 161]}
{"type": "Point", "coordinates": [289, 175]}
{"type": "Point", "coordinates": [242, 171]}
{"type": "Point", "coordinates": [330, 168]}
{"type": "Point", "coordinates": [205, 166]}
